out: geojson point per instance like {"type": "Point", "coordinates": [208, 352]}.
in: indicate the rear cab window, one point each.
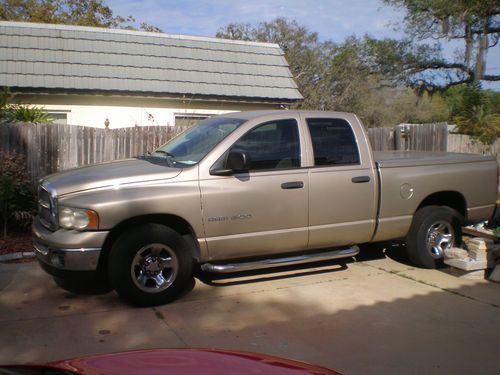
{"type": "Point", "coordinates": [333, 141]}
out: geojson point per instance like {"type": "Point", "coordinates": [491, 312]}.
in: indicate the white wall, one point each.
{"type": "Point", "coordinates": [120, 117]}
{"type": "Point", "coordinates": [130, 111]}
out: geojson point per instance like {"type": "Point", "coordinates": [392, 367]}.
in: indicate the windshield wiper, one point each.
{"type": "Point", "coordinates": [149, 155]}
{"type": "Point", "coordinates": [164, 152]}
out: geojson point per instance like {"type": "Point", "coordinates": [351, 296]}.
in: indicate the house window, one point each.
{"type": "Point", "coordinates": [59, 117]}
{"type": "Point", "coordinates": [189, 119]}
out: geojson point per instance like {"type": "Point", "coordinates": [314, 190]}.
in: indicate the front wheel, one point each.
{"type": "Point", "coordinates": [150, 265]}
{"type": "Point", "coordinates": [434, 229]}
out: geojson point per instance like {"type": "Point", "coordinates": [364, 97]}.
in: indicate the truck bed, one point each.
{"type": "Point", "coordinates": [390, 159]}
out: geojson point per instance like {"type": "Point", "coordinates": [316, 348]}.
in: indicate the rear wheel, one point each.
{"type": "Point", "coordinates": [150, 266]}
{"type": "Point", "coordinates": [433, 230]}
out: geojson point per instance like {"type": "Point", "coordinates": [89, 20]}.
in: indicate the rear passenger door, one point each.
{"type": "Point", "coordinates": [342, 198]}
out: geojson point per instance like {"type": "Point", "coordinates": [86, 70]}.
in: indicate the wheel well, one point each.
{"type": "Point", "coordinates": [451, 199]}
{"type": "Point", "coordinates": [177, 223]}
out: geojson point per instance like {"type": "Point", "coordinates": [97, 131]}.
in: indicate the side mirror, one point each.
{"type": "Point", "coordinates": [236, 162]}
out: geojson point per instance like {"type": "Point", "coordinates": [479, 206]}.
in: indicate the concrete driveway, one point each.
{"type": "Point", "coordinates": [375, 316]}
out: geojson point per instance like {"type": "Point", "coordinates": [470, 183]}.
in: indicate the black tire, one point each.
{"type": "Point", "coordinates": [85, 283]}
{"type": "Point", "coordinates": [433, 229]}
{"type": "Point", "coordinates": [150, 265]}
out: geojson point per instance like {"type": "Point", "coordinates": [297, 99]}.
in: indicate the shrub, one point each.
{"type": "Point", "coordinates": [5, 97]}
{"type": "Point", "coordinates": [475, 117]}
{"type": "Point", "coordinates": [18, 112]}
{"type": "Point", "coordinates": [17, 195]}
{"type": "Point", "coordinates": [25, 113]}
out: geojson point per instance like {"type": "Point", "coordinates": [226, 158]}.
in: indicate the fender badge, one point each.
{"type": "Point", "coordinates": [227, 218]}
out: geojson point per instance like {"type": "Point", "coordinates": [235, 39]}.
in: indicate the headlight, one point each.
{"type": "Point", "coordinates": [77, 218]}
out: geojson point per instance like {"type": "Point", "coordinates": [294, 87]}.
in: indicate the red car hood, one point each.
{"type": "Point", "coordinates": [184, 362]}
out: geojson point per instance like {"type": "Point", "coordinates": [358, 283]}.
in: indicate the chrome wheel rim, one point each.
{"type": "Point", "coordinates": [440, 236]}
{"type": "Point", "coordinates": [154, 268]}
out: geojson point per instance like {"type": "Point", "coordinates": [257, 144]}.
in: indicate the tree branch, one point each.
{"type": "Point", "coordinates": [492, 30]}
{"type": "Point", "coordinates": [442, 65]}
{"type": "Point", "coordinates": [491, 77]}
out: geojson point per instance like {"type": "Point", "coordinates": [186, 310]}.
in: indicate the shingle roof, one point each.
{"type": "Point", "coordinates": [75, 58]}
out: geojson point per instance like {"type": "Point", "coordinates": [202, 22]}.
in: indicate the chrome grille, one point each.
{"type": "Point", "coordinates": [47, 206]}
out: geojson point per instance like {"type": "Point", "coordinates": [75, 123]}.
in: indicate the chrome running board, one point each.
{"type": "Point", "coordinates": [278, 262]}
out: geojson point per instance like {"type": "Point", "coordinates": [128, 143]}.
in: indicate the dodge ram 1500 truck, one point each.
{"type": "Point", "coordinates": [252, 190]}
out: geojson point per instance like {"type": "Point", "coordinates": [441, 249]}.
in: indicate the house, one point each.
{"type": "Point", "coordinates": [96, 76]}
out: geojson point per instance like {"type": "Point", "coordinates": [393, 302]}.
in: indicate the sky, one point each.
{"type": "Point", "coordinates": [332, 19]}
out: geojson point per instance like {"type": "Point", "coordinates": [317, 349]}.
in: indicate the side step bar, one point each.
{"type": "Point", "coordinates": [278, 262]}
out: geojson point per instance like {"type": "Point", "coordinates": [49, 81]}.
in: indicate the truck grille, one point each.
{"type": "Point", "coordinates": [47, 206]}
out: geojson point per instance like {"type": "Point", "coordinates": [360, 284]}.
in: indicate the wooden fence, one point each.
{"type": "Point", "coordinates": [464, 143]}
{"type": "Point", "coordinates": [50, 148]}
{"type": "Point", "coordinates": [421, 137]}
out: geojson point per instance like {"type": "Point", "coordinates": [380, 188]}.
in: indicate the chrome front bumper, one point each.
{"type": "Point", "coordinates": [83, 259]}
{"type": "Point", "coordinates": [67, 250]}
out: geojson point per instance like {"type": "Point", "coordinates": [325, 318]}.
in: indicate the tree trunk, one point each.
{"type": "Point", "coordinates": [468, 45]}
{"type": "Point", "coordinates": [481, 53]}
{"type": "Point", "coordinates": [4, 225]}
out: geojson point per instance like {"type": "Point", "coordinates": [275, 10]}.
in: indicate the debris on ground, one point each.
{"type": "Point", "coordinates": [483, 230]}
{"type": "Point", "coordinates": [495, 274]}
{"type": "Point", "coordinates": [479, 256]}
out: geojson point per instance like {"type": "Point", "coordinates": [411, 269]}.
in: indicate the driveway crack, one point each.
{"type": "Point", "coordinates": [406, 276]}
{"type": "Point", "coordinates": [159, 315]}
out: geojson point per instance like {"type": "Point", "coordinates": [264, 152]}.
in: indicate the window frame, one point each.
{"type": "Point", "coordinates": [56, 112]}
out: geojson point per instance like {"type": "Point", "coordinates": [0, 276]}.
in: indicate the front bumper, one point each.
{"type": "Point", "coordinates": [83, 259]}
{"type": "Point", "coordinates": [67, 250]}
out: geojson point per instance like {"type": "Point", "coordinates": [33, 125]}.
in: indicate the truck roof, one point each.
{"type": "Point", "coordinates": [248, 115]}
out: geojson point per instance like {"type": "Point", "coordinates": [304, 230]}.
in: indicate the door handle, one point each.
{"type": "Point", "coordinates": [292, 185]}
{"type": "Point", "coordinates": [360, 179]}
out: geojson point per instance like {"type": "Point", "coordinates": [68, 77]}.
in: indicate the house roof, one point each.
{"type": "Point", "coordinates": [54, 58]}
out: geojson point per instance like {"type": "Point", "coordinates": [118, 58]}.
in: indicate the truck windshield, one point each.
{"type": "Point", "coordinates": [191, 146]}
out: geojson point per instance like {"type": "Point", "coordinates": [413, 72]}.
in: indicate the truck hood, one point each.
{"type": "Point", "coordinates": [111, 174]}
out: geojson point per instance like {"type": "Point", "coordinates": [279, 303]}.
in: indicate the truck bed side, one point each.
{"type": "Point", "coordinates": [409, 180]}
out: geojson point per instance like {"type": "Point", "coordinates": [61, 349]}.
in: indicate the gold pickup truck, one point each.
{"type": "Point", "coordinates": [251, 190]}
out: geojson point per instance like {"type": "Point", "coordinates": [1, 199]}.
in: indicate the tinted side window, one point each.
{"type": "Point", "coordinates": [273, 145]}
{"type": "Point", "coordinates": [333, 141]}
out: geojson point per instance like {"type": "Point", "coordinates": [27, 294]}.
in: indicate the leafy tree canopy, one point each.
{"type": "Point", "coordinates": [68, 12]}
{"type": "Point", "coordinates": [474, 113]}
{"type": "Point", "coordinates": [340, 76]}
{"type": "Point", "coordinates": [303, 51]}
{"type": "Point", "coordinates": [473, 26]}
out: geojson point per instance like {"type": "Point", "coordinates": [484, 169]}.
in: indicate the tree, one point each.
{"type": "Point", "coordinates": [340, 76]}
{"type": "Point", "coordinates": [472, 24]}
{"type": "Point", "coordinates": [17, 198]}
{"type": "Point", "coordinates": [305, 54]}
{"type": "Point", "coordinates": [68, 12]}
{"type": "Point", "coordinates": [474, 116]}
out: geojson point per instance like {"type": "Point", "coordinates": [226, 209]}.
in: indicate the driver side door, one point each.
{"type": "Point", "coordinates": [264, 210]}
